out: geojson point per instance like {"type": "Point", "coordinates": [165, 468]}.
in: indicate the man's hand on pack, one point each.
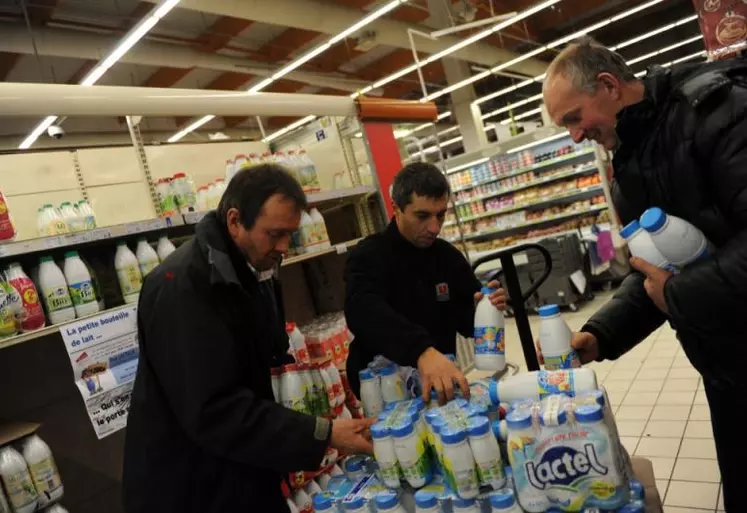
{"type": "Point", "coordinates": [656, 278]}
{"type": "Point", "coordinates": [497, 298]}
{"type": "Point", "coordinates": [352, 435]}
{"type": "Point", "coordinates": [440, 373]}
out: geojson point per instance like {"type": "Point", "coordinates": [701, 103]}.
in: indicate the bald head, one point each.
{"type": "Point", "coordinates": [584, 89]}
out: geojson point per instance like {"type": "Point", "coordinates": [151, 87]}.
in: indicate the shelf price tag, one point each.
{"type": "Point", "coordinates": [341, 248]}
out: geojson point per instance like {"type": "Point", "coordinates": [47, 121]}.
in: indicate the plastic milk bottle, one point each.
{"type": "Point", "coordinates": [43, 470]}
{"type": "Point", "coordinates": [522, 446]}
{"type": "Point", "coordinates": [385, 455]}
{"type": "Point", "coordinates": [459, 465]}
{"type": "Point", "coordinates": [504, 501]}
{"type": "Point", "coordinates": [411, 454]}
{"type": "Point", "coordinates": [80, 285]}
{"type": "Point", "coordinates": [388, 502]}
{"type": "Point", "coordinates": [555, 340]}
{"type": "Point", "coordinates": [147, 257]}
{"type": "Point", "coordinates": [539, 384]}
{"type": "Point", "coordinates": [54, 292]}
{"type": "Point", "coordinates": [17, 481]}
{"type": "Point", "coordinates": [370, 393]}
{"type": "Point", "coordinates": [641, 245]}
{"type": "Point", "coordinates": [426, 502]}
{"type": "Point", "coordinates": [392, 386]}
{"type": "Point", "coordinates": [487, 453]}
{"type": "Point", "coordinates": [678, 241]}
{"type": "Point", "coordinates": [128, 272]}
{"type": "Point", "coordinates": [489, 335]}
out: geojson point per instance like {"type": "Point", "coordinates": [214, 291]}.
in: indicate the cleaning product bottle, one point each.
{"type": "Point", "coordinates": [33, 313]}
{"type": "Point", "coordinates": [80, 285]}
{"type": "Point", "coordinates": [678, 241]}
{"type": "Point", "coordinates": [128, 272]}
{"type": "Point", "coordinates": [165, 248]}
{"type": "Point", "coordinates": [641, 245]}
{"type": "Point", "coordinates": [55, 292]}
{"type": "Point", "coordinates": [17, 481]}
{"type": "Point", "coordinates": [147, 258]}
{"type": "Point", "coordinates": [43, 470]}
{"type": "Point", "coordinates": [555, 340]}
{"type": "Point", "coordinates": [490, 354]}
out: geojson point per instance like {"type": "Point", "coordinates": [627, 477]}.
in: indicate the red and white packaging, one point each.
{"type": "Point", "coordinates": [7, 230]}
{"type": "Point", "coordinates": [297, 343]}
{"type": "Point", "coordinates": [32, 315]}
{"type": "Point", "coordinates": [724, 26]}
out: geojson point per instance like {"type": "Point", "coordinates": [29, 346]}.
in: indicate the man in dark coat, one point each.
{"type": "Point", "coordinates": [680, 142]}
{"type": "Point", "coordinates": [408, 293]}
{"type": "Point", "coordinates": [204, 434]}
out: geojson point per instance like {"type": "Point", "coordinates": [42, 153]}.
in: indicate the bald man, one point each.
{"type": "Point", "coordinates": [680, 142]}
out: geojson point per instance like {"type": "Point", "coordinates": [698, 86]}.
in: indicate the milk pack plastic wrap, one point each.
{"type": "Point", "coordinates": [565, 453]}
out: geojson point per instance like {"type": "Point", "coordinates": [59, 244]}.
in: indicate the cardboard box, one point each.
{"type": "Point", "coordinates": [643, 470]}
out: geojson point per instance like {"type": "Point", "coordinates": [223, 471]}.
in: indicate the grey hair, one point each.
{"type": "Point", "coordinates": [582, 62]}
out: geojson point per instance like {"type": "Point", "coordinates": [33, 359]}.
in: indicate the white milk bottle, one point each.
{"type": "Point", "coordinates": [230, 170]}
{"type": "Point", "coordinates": [539, 384]}
{"type": "Point", "coordinates": [291, 507]}
{"type": "Point", "coordinates": [388, 502]}
{"type": "Point", "coordinates": [275, 376]}
{"type": "Point", "coordinates": [17, 481]}
{"type": "Point", "coordinates": [486, 452]}
{"type": "Point", "coordinates": [459, 465]}
{"type": "Point", "coordinates": [321, 389]}
{"type": "Point", "coordinates": [489, 335]}
{"type": "Point", "coordinates": [385, 455]}
{"type": "Point", "coordinates": [308, 234]}
{"type": "Point", "coordinates": [370, 393]}
{"type": "Point", "coordinates": [426, 502]}
{"type": "Point", "coordinates": [80, 285]}
{"type": "Point", "coordinates": [642, 246]}
{"type": "Point", "coordinates": [55, 508]}
{"type": "Point", "coordinates": [336, 471]}
{"type": "Point", "coordinates": [462, 505]}
{"type": "Point", "coordinates": [72, 217]}
{"type": "Point", "coordinates": [164, 248]}
{"type": "Point", "coordinates": [504, 501]}
{"type": "Point", "coordinates": [678, 241]}
{"type": "Point", "coordinates": [329, 387]}
{"type": "Point", "coordinates": [43, 470]}
{"type": "Point", "coordinates": [323, 481]}
{"type": "Point", "coordinates": [411, 454]}
{"type": "Point", "coordinates": [303, 501]}
{"type": "Point", "coordinates": [128, 272]}
{"type": "Point", "coordinates": [555, 340]}
{"type": "Point", "coordinates": [4, 506]}
{"type": "Point", "coordinates": [522, 445]}
{"type": "Point", "coordinates": [320, 228]}
{"type": "Point", "coordinates": [311, 488]}
{"type": "Point", "coordinates": [311, 398]}
{"type": "Point", "coordinates": [147, 258]}
{"type": "Point", "coordinates": [297, 342]}
{"type": "Point", "coordinates": [55, 292]}
{"type": "Point", "coordinates": [42, 227]}
{"type": "Point", "coordinates": [88, 215]}
{"type": "Point", "coordinates": [323, 504]}
{"type": "Point", "coordinates": [292, 389]}
{"type": "Point", "coordinates": [392, 386]}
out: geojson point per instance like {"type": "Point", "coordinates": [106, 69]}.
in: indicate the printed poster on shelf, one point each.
{"type": "Point", "coordinates": [104, 352]}
{"type": "Point", "coordinates": [724, 26]}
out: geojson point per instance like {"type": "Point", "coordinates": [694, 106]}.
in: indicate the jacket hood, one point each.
{"type": "Point", "coordinates": [216, 245]}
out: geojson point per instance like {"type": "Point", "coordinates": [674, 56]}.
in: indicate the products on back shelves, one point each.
{"type": "Point", "coordinates": [128, 273]}
{"type": "Point", "coordinates": [55, 293]}
{"type": "Point", "coordinates": [80, 285]}
{"type": "Point", "coordinates": [32, 317]}
{"type": "Point", "coordinates": [555, 340]}
{"type": "Point", "coordinates": [7, 229]}
{"type": "Point", "coordinates": [166, 197]}
{"type": "Point", "coordinates": [69, 218]}
{"type": "Point", "coordinates": [147, 258]}
{"type": "Point", "coordinates": [16, 479]}
{"type": "Point", "coordinates": [43, 470]}
{"type": "Point", "coordinates": [165, 247]}
{"type": "Point", "coordinates": [489, 335]}
{"type": "Point", "coordinates": [184, 193]}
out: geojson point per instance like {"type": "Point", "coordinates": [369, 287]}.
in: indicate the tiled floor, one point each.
{"type": "Point", "coordinates": [661, 411]}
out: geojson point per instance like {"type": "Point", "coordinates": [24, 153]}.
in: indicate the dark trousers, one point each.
{"type": "Point", "coordinates": [726, 403]}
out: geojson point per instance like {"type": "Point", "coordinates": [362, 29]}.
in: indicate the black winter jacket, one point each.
{"type": "Point", "coordinates": [684, 149]}
{"type": "Point", "coordinates": [204, 434]}
{"type": "Point", "coordinates": [401, 300]}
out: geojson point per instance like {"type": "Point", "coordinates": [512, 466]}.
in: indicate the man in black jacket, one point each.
{"type": "Point", "coordinates": [204, 434]}
{"type": "Point", "coordinates": [680, 141]}
{"type": "Point", "coordinates": [408, 293]}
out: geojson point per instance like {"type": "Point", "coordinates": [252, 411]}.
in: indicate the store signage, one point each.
{"type": "Point", "coordinates": [103, 351]}
{"type": "Point", "coordinates": [321, 135]}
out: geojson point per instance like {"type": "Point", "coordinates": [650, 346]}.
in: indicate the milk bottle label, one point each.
{"type": "Point", "coordinates": [57, 298]}
{"type": "Point", "coordinates": [489, 340]}
{"type": "Point", "coordinates": [46, 480]}
{"type": "Point", "coordinates": [8, 312]}
{"type": "Point", "coordinates": [489, 471]}
{"type": "Point", "coordinates": [20, 489]}
{"type": "Point", "coordinates": [418, 467]}
{"type": "Point", "coordinates": [129, 279]}
{"type": "Point", "coordinates": [568, 360]}
{"type": "Point", "coordinates": [463, 481]}
{"type": "Point", "coordinates": [390, 471]}
{"type": "Point", "coordinates": [555, 382]}
{"type": "Point", "coordinates": [82, 293]}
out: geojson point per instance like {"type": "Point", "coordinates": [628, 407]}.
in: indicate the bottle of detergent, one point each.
{"type": "Point", "coordinates": [490, 354]}
{"type": "Point", "coordinates": [55, 292]}
{"type": "Point", "coordinates": [641, 245]}
{"type": "Point", "coordinates": [555, 340]}
{"type": "Point", "coordinates": [678, 241]}
{"type": "Point", "coordinates": [128, 272]}
{"type": "Point", "coordinates": [80, 285]}
{"type": "Point", "coordinates": [33, 313]}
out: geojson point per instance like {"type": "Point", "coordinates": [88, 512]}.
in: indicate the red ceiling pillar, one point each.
{"type": "Point", "coordinates": [384, 152]}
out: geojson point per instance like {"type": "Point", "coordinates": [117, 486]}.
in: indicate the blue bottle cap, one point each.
{"type": "Point", "coordinates": [381, 417]}
{"type": "Point", "coordinates": [355, 503]}
{"type": "Point", "coordinates": [519, 419]}
{"type": "Point", "coordinates": [597, 396]}
{"type": "Point", "coordinates": [493, 392]}
{"type": "Point", "coordinates": [502, 499]}
{"type": "Point", "coordinates": [451, 357]}
{"type": "Point", "coordinates": [389, 407]}
{"type": "Point", "coordinates": [633, 507]}
{"type": "Point", "coordinates": [637, 490]}
{"type": "Point", "coordinates": [430, 415]}
{"type": "Point", "coordinates": [322, 502]}
{"type": "Point", "coordinates": [508, 471]}
{"type": "Point", "coordinates": [366, 374]}
{"type": "Point", "coordinates": [388, 370]}
{"type": "Point", "coordinates": [419, 403]}
{"type": "Point", "coordinates": [588, 413]}
{"type": "Point", "coordinates": [386, 500]}
{"type": "Point", "coordinates": [459, 502]}
{"type": "Point", "coordinates": [354, 464]}
{"type": "Point", "coordinates": [653, 219]}
{"type": "Point", "coordinates": [479, 426]}
{"type": "Point", "coordinates": [486, 291]}
{"type": "Point", "coordinates": [548, 310]}
{"type": "Point", "coordinates": [453, 435]}
{"type": "Point", "coordinates": [496, 427]}
{"type": "Point", "coordinates": [402, 429]}
{"type": "Point", "coordinates": [562, 418]}
{"type": "Point", "coordinates": [438, 425]}
{"type": "Point", "coordinates": [630, 229]}
{"type": "Point", "coordinates": [425, 499]}
{"type": "Point", "coordinates": [380, 430]}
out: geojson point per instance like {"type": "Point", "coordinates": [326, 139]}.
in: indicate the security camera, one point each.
{"type": "Point", "coordinates": [55, 132]}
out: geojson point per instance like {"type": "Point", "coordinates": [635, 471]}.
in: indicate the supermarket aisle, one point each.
{"type": "Point", "coordinates": [661, 412]}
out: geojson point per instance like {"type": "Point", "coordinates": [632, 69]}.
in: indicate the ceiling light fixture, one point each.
{"type": "Point", "coordinates": [130, 39]}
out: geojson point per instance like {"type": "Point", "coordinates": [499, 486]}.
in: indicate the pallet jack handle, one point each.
{"type": "Point", "coordinates": [511, 282]}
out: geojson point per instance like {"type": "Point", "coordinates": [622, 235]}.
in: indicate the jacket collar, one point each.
{"type": "Point", "coordinates": [220, 251]}
{"type": "Point", "coordinates": [393, 232]}
{"type": "Point", "coordinates": [635, 122]}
